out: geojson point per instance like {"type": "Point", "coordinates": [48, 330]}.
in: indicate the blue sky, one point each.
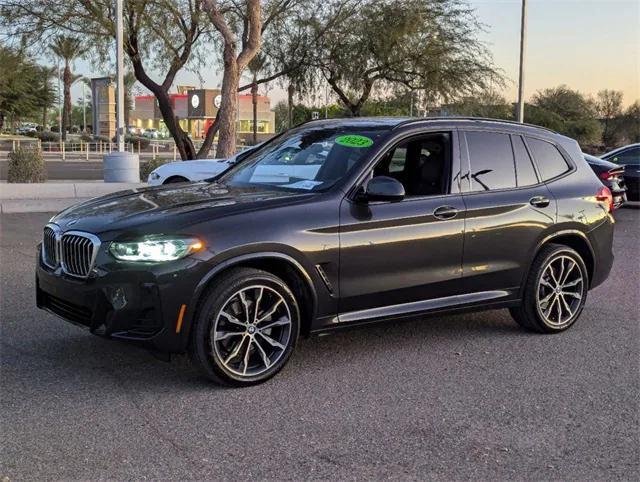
{"type": "Point", "coordinates": [587, 44]}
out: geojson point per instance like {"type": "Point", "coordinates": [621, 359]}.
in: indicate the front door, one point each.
{"type": "Point", "coordinates": [393, 254]}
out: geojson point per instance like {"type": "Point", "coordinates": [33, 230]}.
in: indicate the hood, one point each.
{"type": "Point", "coordinates": [146, 209]}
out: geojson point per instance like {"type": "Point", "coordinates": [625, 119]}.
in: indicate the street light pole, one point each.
{"type": "Point", "coordinates": [120, 77]}
{"type": "Point", "coordinates": [120, 165]}
{"type": "Point", "coordinates": [523, 50]}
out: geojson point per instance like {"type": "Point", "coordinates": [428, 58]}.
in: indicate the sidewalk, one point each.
{"type": "Point", "coordinates": [54, 196]}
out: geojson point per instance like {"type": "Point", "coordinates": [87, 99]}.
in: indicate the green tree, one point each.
{"type": "Point", "coordinates": [77, 114]}
{"type": "Point", "coordinates": [161, 37]}
{"type": "Point", "coordinates": [23, 94]}
{"type": "Point", "coordinates": [68, 49]}
{"type": "Point", "coordinates": [255, 67]}
{"type": "Point", "coordinates": [566, 111]}
{"type": "Point", "coordinates": [567, 103]}
{"type": "Point", "coordinates": [630, 123]}
{"type": "Point", "coordinates": [48, 73]}
{"type": "Point", "coordinates": [129, 82]}
{"type": "Point", "coordinates": [609, 109]}
{"type": "Point", "coordinates": [428, 45]}
{"type": "Point", "coordinates": [488, 104]}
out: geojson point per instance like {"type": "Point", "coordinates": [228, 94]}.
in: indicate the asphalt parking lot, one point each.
{"type": "Point", "coordinates": [449, 398]}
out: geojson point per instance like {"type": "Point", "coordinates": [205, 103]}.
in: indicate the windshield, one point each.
{"type": "Point", "coordinates": [306, 159]}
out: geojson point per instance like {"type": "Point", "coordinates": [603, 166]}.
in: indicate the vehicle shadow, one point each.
{"type": "Point", "coordinates": [85, 356]}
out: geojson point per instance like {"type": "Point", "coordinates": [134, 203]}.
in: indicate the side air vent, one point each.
{"type": "Point", "coordinates": [324, 277]}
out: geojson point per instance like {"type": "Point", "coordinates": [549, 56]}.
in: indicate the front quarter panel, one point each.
{"type": "Point", "coordinates": [305, 234]}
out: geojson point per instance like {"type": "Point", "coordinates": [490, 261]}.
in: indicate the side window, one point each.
{"type": "Point", "coordinates": [525, 173]}
{"type": "Point", "coordinates": [398, 159]}
{"type": "Point", "coordinates": [421, 164]}
{"type": "Point", "coordinates": [630, 156]}
{"type": "Point", "coordinates": [491, 159]}
{"type": "Point", "coordinates": [548, 158]}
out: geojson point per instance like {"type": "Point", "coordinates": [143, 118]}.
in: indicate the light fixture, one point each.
{"type": "Point", "coordinates": [155, 249]}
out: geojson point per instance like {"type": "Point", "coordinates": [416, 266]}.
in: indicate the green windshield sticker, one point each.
{"type": "Point", "coordinates": [354, 140]}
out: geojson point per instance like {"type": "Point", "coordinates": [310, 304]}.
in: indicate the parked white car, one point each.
{"type": "Point", "coordinates": [191, 171]}
{"type": "Point", "coordinates": [187, 171]}
{"type": "Point", "coordinates": [287, 165]}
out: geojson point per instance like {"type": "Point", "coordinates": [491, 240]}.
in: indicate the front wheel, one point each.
{"type": "Point", "coordinates": [555, 291]}
{"type": "Point", "coordinates": [246, 328]}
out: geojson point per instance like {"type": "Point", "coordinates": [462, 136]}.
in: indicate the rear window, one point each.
{"type": "Point", "coordinates": [491, 160]}
{"type": "Point", "coordinates": [548, 158]}
{"type": "Point", "coordinates": [525, 173]}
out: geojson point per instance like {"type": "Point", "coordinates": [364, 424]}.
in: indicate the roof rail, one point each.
{"type": "Point", "coordinates": [463, 118]}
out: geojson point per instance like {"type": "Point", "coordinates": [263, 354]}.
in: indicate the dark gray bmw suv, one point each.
{"type": "Point", "coordinates": [331, 224]}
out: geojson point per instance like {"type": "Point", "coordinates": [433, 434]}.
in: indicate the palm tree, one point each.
{"type": "Point", "coordinates": [255, 67]}
{"type": "Point", "coordinates": [129, 82]}
{"type": "Point", "coordinates": [47, 74]}
{"type": "Point", "coordinates": [68, 49]}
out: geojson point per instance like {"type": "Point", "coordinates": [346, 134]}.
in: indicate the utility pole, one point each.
{"type": "Point", "coordinates": [120, 77]}
{"type": "Point", "coordinates": [523, 50]}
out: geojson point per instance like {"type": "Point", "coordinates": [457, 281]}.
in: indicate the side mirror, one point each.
{"type": "Point", "coordinates": [383, 188]}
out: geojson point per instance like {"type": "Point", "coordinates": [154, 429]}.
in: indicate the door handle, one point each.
{"type": "Point", "coordinates": [445, 212]}
{"type": "Point", "coordinates": [539, 201]}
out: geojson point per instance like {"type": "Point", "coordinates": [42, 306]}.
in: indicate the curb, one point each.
{"type": "Point", "coordinates": [53, 197]}
{"type": "Point", "coordinates": [16, 206]}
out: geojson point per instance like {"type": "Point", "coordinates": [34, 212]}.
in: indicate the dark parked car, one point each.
{"type": "Point", "coordinates": [629, 157]}
{"type": "Point", "coordinates": [402, 218]}
{"type": "Point", "coordinates": [612, 176]}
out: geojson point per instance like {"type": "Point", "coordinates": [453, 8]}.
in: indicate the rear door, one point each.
{"type": "Point", "coordinates": [508, 209]}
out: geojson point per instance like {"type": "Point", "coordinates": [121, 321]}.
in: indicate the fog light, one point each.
{"type": "Point", "coordinates": [117, 298]}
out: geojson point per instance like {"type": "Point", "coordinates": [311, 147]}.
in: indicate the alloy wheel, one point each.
{"type": "Point", "coordinates": [252, 331]}
{"type": "Point", "coordinates": [560, 291]}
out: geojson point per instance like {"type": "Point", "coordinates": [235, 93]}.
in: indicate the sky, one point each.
{"type": "Point", "coordinates": [588, 45]}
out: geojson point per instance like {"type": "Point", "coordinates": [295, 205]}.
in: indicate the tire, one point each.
{"type": "Point", "coordinates": [175, 179]}
{"type": "Point", "coordinates": [249, 346]}
{"type": "Point", "coordinates": [548, 306]}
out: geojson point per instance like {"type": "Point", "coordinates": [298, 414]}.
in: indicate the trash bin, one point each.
{"type": "Point", "coordinates": [121, 167]}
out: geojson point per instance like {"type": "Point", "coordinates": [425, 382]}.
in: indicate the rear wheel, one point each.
{"type": "Point", "coordinates": [246, 328]}
{"type": "Point", "coordinates": [555, 292]}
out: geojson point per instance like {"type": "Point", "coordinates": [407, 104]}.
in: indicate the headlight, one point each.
{"type": "Point", "coordinates": [155, 250]}
{"type": "Point", "coordinates": [154, 176]}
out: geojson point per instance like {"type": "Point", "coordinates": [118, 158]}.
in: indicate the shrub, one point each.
{"type": "Point", "coordinates": [85, 137]}
{"type": "Point", "coordinates": [26, 165]}
{"type": "Point", "coordinates": [48, 136]}
{"type": "Point", "coordinates": [144, 142]}
{"type": "Point", "coordinates": [102, 138]}
{"type": "Point", "coordinates": [147, 166]}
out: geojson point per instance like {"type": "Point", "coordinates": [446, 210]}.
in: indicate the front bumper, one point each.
{"type": "Point", "coordinates": [131, 303]}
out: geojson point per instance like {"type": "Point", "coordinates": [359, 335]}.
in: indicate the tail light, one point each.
{"type": "Point", "coordinates": [604, 196]}
{"type": "Point", "coordinates": [606, 175]}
